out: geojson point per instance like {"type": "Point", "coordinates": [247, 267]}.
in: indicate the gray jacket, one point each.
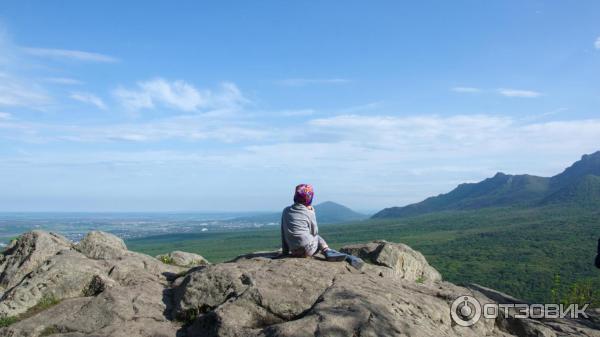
{"type": "Point", "coordinates": [298, 227]}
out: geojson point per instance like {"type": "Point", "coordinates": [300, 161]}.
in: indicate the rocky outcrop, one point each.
{"type": "Point", "coordinates": [183, 259]}
{"type": "Point", "coordinates": [96, 287]}
{"type": "Point", "coordinates": [396, 258]}
{"type": "Point", "coordinates": [99, 288]}
{"type": "Point", "coordinates": [26, 253]}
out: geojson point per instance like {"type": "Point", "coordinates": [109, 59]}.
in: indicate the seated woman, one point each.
{"type": "Point", "coordinates": [299, 231]}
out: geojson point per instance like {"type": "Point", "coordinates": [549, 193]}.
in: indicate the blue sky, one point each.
{"type": "Point", "coordinates": [156, 106]}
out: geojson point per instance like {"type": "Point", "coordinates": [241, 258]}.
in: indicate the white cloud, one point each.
{"type": "Point", "coordinates": [597, 43]}
{"type": "Point", "coordinates": [133, 100]}
{"type": "Point", "coordinates": [178, 95]}
{"type": "Point", "coordinates": [62, 80]}
{"type": "Point", "coordinates": [507, 92]}
{"type": "Point", "coordinates": [397, 159]}
{"type": "Point", "coordinates": [469, 90]}
{"type": "Point", "coordinates": [70, 54]}
{"type": "Point", "coordinates": [519, 93]}
{"type": "Point", "coordinates": [19, 92]}
{"type": "Point", "coordinates": [299, 82]}
{"type": "Point", "coordinates": [89, 98]}
{"type": "Point", "coordinates": [5, 116]}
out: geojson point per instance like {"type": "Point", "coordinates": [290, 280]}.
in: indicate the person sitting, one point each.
{"type": "Point", "coordinates": [299, 230]}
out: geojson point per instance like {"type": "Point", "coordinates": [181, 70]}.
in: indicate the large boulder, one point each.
{"type": "Point", "coordinates": [117, 312]}
{"type": "Point", "coordinates": [183, 259]}
{"type": "Point", "coordinates": [98, 289]}
{"type": "Point", "coordinates": [397, 258]}
{"type": "Point", "coordinates": [311, 297]}
{"type": "Point", "coordinates": [101, 246]}
{"type": "Point", "coordinates": [28, 252]}
{"type": "Point", "coordinates": [68, 274]}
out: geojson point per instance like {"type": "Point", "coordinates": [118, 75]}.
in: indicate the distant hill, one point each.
{"type": "Point", "coordinates": [578, 184]}
{"type": "Point", "coordinates": [328, 212]}
{"type": "Point", "coordinates": [331, 212]}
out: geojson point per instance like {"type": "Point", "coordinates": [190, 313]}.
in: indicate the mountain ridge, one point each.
{"type": "Point", "coordinates": [513, 190]}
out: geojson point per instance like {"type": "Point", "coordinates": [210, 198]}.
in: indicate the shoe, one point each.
{"type": "Point", "coordinates": [355, 262]}
{"type": "Point", "coordinates": [334, 256]}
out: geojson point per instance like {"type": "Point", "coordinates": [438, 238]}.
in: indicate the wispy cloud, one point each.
{"type": "Point", "coordinates": [178, 95]}
{"type": "Point", "coordinates": [506, 92]}
{"type": "Point", "coordinates": [5, 116]}
{"type": "Point", "coordinates": [299, 82]}
{"type": "Point", "coordinates": [469, 90]}
{"type": "Point", "coordinates": [597, 43]}
{"type": "Point", "coordinates": [70, 54]}
{"type": "Point", "coordinates": [453, 148]}
{"type": "Point", "coordinates": [62, 80]}
{"type": "Point", "coordinates": [17, 92]}
{"type": "Point", "coordinates": [519, 93]}
{"type": "Point", "coordinates": [88, 98]}
{"type": "Point", "coordinates": [200, 127]}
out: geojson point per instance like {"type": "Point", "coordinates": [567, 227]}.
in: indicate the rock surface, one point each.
{"type": "Point", "coordinates": [396, 258]}
{"type": "Point", "coordinates": [27, 253]}
{"type": "Point", "coordinates": [183, 259]}
{"type": "Point", "coordinates": [94, 288]}
{"type": "Point", "coordinates": [99, 288]}
{"type": "Point", "coordinates": [100, 245]}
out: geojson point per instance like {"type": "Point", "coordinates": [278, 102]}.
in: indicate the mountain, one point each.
{"type": "Point", "coordinates": [578, 184]}
{"type": "Point", "coordinates": [584, 192]}
{"type": "Point", "coordinates": [328, 212]}
{"type": "Point", "coordinates": [331, 212]}
{"type": "Point", "coordinates": [98, 287]}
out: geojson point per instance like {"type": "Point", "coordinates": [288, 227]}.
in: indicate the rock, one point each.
{"type": "Point", "coordinates": [183, 259]}
{"type": "Point", "coordinates": [397, 257]}
{"type": "Point", "coordinates": [101, 246]}
{"type": "Point", "coordinates": [65, 275]}
{"type": "Point", "coordinates": [539, 327]}
{"type": "Point", "coordinates": [100, 289]}
{"type": "Point", "coordinates": [103, 290]}
{"type": "Point", "coordinates": [27, 253]}
{"type": "Point", "coordinates": [306, 297]}
{"type": "Point", "coordinates": [119, 311]}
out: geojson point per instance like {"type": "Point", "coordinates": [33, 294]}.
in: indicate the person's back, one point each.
{"type": "Point", "coordinates": [299, 225]}
{"type": "Point", "coordinates": [299, 231]}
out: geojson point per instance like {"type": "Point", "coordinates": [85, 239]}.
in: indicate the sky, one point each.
{"type": "Point", "coordinates": [227, 105]}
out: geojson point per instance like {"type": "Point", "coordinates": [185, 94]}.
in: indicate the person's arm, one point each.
{"type": "Point", "coordinates": [312, 221]}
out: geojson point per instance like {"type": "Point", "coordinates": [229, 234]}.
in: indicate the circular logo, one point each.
{"type": "Point", "coordinates": [465, 310]}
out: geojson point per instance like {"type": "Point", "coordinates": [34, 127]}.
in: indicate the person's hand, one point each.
{"type": "Point", "coordinates": [311, 208]}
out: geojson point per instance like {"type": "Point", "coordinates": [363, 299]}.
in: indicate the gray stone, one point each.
{"type": "Point", "coordinates": [101, 246]}
{"type": "Point", "coordinates": [306, 297]}
{"type": "Point", "coordinates": [183, 259]}
{"type": "Point", "coordinates": [28, 252]}
{"type": "Point", "coordinates": [65, 275]}
{"type": "Point", "coordinates": [397, 258]}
